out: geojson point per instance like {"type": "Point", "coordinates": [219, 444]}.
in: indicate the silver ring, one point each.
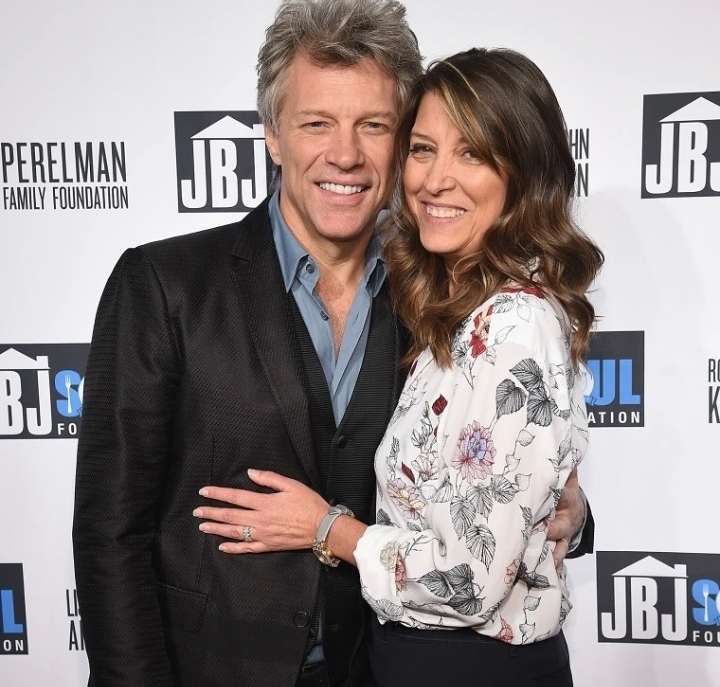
{"type": "Point", "coordinates": [247, 537]}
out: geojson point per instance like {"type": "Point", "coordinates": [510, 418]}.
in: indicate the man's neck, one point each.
{"type": "Point", "coordinates": [341, 265]}
{"type": "Point", "coordinates": [338, 280]}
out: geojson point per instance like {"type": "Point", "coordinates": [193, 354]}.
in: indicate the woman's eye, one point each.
{"type": "Point", "coordinates": [420, 150]}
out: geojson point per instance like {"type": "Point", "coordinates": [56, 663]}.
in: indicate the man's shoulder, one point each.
{"type": "Point", "coordinates": [210, 239]}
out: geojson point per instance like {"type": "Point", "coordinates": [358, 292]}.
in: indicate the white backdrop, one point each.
{"type": "Point", "coordinates": [115, 73]}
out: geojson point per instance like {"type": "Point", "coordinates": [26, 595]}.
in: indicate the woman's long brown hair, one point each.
{"type": "Point", "coordinates": [509, 116]}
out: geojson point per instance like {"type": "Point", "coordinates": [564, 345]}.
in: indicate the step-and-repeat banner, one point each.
{"type": "Point", "coordinates": [126, 122]}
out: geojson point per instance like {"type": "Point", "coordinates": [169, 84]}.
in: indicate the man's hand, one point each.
{"type": "Point", "coordinates": [568, 520]}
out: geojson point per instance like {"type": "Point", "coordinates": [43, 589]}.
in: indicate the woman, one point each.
{"type": "Point", "coordinates": [489, 273]}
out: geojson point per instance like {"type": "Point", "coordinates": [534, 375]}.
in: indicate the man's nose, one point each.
{"type": "Point", "coordinates": [345, 149]}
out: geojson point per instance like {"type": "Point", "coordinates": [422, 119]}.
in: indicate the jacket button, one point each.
{"type": "Point", "coordinates": [341, 442]}
{"type": "Point", "coordinates": [301, 619]}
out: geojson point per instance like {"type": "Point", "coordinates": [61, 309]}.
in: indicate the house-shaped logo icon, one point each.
{"type": "Point", "coordinates": [222, 163]}
{"type": "Point", "coordinates": [229, 128]}
{"type": "Point", "coordinates": [652, 567]}
{"type": "Point", "coordinates": [681, 145]}
{"type": "Point", "coordinates": [12, 359]}
{"type": "Point", "coordinates": [700, 110]}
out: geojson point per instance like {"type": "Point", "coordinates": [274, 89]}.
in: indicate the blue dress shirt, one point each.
{"type": "Point", "coordinates": [300, 273]}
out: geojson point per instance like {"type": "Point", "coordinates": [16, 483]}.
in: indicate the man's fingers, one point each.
{"type": "Point", "coordinates": [559, 528]}
{"type": "Point", "coordinates": [561, 550]}
{"type": "Point", "coordinates": [570, 511]}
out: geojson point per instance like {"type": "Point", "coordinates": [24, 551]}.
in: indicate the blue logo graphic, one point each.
{"type": "Point", "coordinates": [7, 601]}
{"type": "Point", "coordinates": [68, 383]}
{"type": "Point", "coordinates": [705, 593]}
{"type": "Point", "coordinates": [13, 625]}
{"type": "Point", "coordinates": [616, 362]}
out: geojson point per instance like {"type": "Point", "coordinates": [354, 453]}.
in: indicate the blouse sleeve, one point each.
{"type": "Point", "coordinates": [474, 526]}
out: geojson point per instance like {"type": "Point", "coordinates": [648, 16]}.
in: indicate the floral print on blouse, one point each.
{"type": "Point", "coordinates": [469, 472]}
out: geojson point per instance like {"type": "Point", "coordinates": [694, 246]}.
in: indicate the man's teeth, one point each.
{"type": "Point", "coordinates": [339, 188]}
{"type": "Point", "coordinates": [443, 212]}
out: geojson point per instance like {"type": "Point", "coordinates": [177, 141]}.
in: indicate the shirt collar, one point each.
{"type": "Point", "coordinates": [293, 256]}
{"type": "Point", "coordinates": [290, 252]}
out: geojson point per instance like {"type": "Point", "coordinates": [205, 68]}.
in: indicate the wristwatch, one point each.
{"type": "Point", "coordinates": [319, 548]}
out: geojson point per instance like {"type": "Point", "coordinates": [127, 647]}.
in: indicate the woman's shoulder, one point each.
{"type": "Point", "coordinates": [523, 315]}
{"type": "Point", "coordinates": [523, 307]}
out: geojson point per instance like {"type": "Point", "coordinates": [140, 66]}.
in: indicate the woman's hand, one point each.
{"type": "Point", "coordinates": [284, 520]}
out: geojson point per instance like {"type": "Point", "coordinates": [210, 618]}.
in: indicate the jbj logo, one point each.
{"type": "Point", "coordinates": [681, 145]}
{"type": "Point", "coordinates": [222, 163]}
{"type": "Point", "coordinates": [658, 598]}
{"type": "Point", "coordinates": [41, 389]}
{"type": "Point", "coordinates": [616, 361]}
{"type": "Point", "coordinates": [13, 638]}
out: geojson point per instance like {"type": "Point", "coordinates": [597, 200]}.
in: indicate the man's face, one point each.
{"type": "Point", "coordinates": [334, 144]}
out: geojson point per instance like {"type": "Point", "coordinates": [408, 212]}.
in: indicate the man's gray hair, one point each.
{"type": "Point", "coordinates": [335, 33]}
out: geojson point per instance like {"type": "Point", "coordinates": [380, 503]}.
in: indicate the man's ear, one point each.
{"type": "Point", "coordinates": [271, 142]}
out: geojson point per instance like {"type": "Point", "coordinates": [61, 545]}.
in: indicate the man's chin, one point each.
{"type": "Point", "coordinates": [348, 235]}
{"type": "Point", "coordinates": [343, 228]}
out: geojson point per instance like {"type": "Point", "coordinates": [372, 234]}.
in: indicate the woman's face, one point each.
{"type": "Point", "coordinates": [454, 196]}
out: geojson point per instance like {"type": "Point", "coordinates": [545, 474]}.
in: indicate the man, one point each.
{"type": "Point", "coordinates": [245, 346]}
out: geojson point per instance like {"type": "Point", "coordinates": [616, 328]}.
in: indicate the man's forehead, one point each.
{"type": "Point", "coordinates": [325, 90]}
{"type": "Point", "coordinates": [303, 65]}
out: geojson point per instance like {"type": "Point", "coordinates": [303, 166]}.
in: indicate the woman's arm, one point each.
{"type": "Point", "coordinates": [285, 519]}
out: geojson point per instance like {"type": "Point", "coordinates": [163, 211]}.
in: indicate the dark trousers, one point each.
{"type": "Point", "coordinates": [405, 657]}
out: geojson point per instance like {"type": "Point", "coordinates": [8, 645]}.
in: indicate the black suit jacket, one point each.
{"type": "Point", "coordinates": [194, 375]}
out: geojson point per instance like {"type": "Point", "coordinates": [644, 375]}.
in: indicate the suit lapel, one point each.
{"type": "Point", "coordinates": [266, 309]}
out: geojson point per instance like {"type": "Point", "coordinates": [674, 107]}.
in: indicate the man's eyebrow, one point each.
{"type": "Point", "coordinates": [376, 114]}
{"type": "Point", "coordinates": [313, 113]}
{"type": "Point", "coordinates": [380, 114]}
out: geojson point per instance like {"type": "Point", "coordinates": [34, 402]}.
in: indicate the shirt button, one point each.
{"type": "Point", "coordinates": [301, 619]}
{"type": "Point", "coordinates": [310, 268]}
{"type": "Point", "coordinates": [341, 442]}
{"type": "Point", "coordinates": [324, 315]}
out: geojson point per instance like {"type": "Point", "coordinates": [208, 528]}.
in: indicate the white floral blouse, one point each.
{"type": "Point", "coordinates": [470, 470]}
